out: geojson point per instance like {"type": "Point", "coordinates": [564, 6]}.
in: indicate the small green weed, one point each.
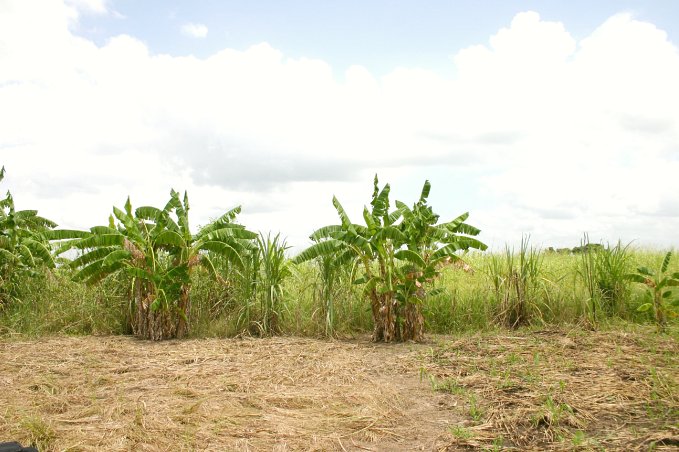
{"type": "Point", "coordinates": [41, 434]}
{"type": "Point", "coordinates": [461, 432]}
{"type": "Point", "coordinates": [475, 411]}
{"type": "Point", "coordinates": [579, 438]}
{"type": "Point", "coordinates": [552, 413]}
{"type": "Point", "coordinates": [513, 358]}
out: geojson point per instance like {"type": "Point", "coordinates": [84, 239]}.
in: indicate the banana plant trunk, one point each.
{"type": "Point", "coordinates": [385, 314]}
{"type": "Point", "coordinates": [413, 324]}
{"type": "Point", "coordinates": [148, 323]}
{"type": "Point", "coordinates": [184, 312]}
{"type": "Point", "coordinates": [659, 312]}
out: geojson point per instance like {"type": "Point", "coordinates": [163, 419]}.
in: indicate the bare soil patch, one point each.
{"type": "Point", "coordinates": [540, 390]}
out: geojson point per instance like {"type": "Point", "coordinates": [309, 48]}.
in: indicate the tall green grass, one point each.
{"type": "Point", "coordinates": [551, 289]}
{"type": "Point", "coordinates": [518, 281]}
{"type": "Point", "coordinates": [51, 303]}
{"type": "Point", "coordinates": [602, 271]}
{"type": "Point", "coordinates": [275, 268]}
{"type": "Point", "coordinates": [270, 295]}
{"type": "Point", "coordinates": [323, 301]}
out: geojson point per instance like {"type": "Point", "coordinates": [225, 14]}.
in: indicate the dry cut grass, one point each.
{"type": "Point", "coordinates": [545, 390]}
{"type": "Point", "coordinates": [561, 390]}
{"type": "Point", "coordinates": [117, 393]}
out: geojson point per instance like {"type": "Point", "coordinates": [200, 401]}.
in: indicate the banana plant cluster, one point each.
{"type": "Point", "coordinates": [156, 252]}
{"type": "Point", "coordinates": [400, 253]}
{"type": "Point", "coordinates": [659, 286]}
{"type": "Point", "coordinates": [24, 247]}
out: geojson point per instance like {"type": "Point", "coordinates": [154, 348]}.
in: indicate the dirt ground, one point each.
{"type": "Point", "coordinates": [532, 390]}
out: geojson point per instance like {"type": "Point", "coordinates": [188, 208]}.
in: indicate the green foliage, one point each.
{"type": "Point", "coordinates": [247, 291]}
{"type": "Point", "coordinates": [24, 247]}
{"type": "Point", "coordinates": [458, 301]}
{"type": "Point", "coordinates": [603, 271]}
{"type": "Point", "coordinates": [461, 432]}
{"type": "Point", "coordinates": [154, 250]}
{"type": "Point", "coordinates": [275, 268]}
{"type": "Point", "coordinates": [518, 282]}
{"type": "Point", "coordinates": [323, 301]}
{"type": "Point", "coordinates": [373, 247]}
{"type": "Point", "coordinates": [335, 270]}
{"type": "Point", "coordinates": [145, 269]}
{"type": "Point", "coordinates": [256, 286]}
{"type": "Point", "coordinates": [552, 413]}
{"type": "Point", "coordinates": [659, 284]}
{"type": "Point", "coordinates": [399, 253]}
{"type": "Point", "coordinates": [51, 302]}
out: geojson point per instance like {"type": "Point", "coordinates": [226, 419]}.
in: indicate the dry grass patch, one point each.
{"type": "Point", "coordinates": [118, 393]}
{"type": "Point", "coordinates": [560, 390]}
{"type": "Point", "coordinates": [544, 390]}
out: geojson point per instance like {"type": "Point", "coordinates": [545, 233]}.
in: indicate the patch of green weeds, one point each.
{"type": "Point", "coordinates": [551, 414]}
{"type": "Point", "coordinates": [475, 411]}
{"type": "Point", "coordinates": [461, 432]}
{"type": "Point", "coordinates": [579, 438]}
{"type": "Point", "coordinates": [536, 358]}
{"type": "Point", "coordinates": [497, 446]}
{"type": "Point", "coordinates": [513, 358]}
{"type": "Point", "coordinates": [529, 377]}
{"type": "Point", "coordinates": [448, 385]}
{"type": "Point", "coordinates": [41, 434]}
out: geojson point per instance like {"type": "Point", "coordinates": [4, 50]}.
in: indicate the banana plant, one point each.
{"type": "Point", "coordinates": [399, 252]}
{"type": "Point", "coordinates": [373, 246]}
{"type": "Point", "coordinates": [155, 250]}
{"type": "Point", "coordinates": [429, 247]}
{"type": "Point", "coordinates": [659, 288]}
{"type": "Point", "coordinates": [222, 238]}
{"type": "Point", "coordinates": [126, 246]}
{"type": "Point", "coordinates": [24, 247]}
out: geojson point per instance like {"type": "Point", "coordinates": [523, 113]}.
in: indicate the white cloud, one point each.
{"type": "Point", "coordinates": [90, 6]}
{"type": "Point", "coordinates": [194, 30]}
{"type": "Point", "coordinates": [537, 132]}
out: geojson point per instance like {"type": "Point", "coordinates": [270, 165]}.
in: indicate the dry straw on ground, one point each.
{"type": "Point", "coordinates": [562, 390]}
{"type": "Point", "coordinates": [544, 390]}
{"type": "Point", "coordinates": [117, 393]}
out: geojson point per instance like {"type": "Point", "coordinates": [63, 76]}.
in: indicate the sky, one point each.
{"type": "Point", "coordinates": [543, 118]}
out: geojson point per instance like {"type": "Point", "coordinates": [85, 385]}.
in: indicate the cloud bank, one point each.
{"type": "Point", "coordinates": [535, 133]}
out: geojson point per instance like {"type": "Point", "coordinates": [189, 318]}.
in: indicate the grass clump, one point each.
{"type": "Point", "coordinates": [52, 303]}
